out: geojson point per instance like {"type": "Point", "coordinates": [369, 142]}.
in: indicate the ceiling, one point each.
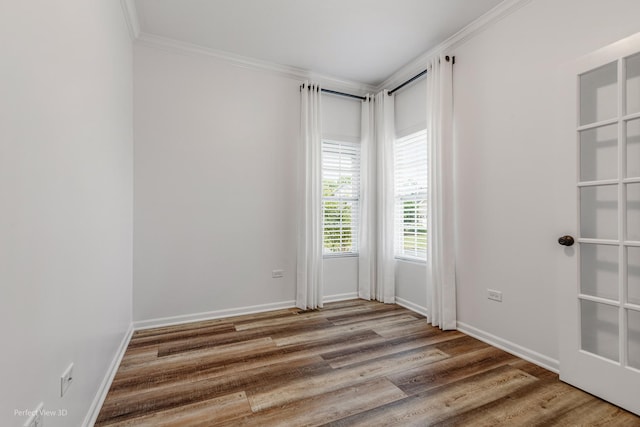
{"type": "Point", "coordinates": [363, 41]}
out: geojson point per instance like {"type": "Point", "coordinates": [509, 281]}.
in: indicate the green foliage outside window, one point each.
{"type": "Point", "coordinates": [414, 226]}
{"type": "Point", "coordinates": [337, 216]}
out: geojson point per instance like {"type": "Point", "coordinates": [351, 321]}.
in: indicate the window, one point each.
{"type": "Point", "coordinates": [411, 176]}
{"type": "Point", "coordinates": [340, 197]}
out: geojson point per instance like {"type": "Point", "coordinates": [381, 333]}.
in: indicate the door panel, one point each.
{"type": "Point", "coordinates": [633, 84]}
{"type": "Point", "coordinates": [633, 148]}
{"type": "Point", "coordinates": [634, 339]}
{"type": "Point", "coordinates": [633, 275]}
{"type": "Point", "coordinates": [599, 329]}
{"type": "Point", "coordinates": [599, 153]}
{"type": "Point", "coordinates": [599, 271]}
{"type": "Point", "coordinates": [599, 94]}
{"type": "Point", "coordinates": [633, 211]}
{"type": "Point", "coordinates": [599, 212]}
{"type": "Point", "coordinates": [600, 276]}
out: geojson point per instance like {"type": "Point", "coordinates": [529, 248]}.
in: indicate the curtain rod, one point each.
{"type": "Point", "coordinates": [417, 76]}
{"type": "Point", "coordinates": [362, 98]}
{"type": "Point", "coordinates": [334, 92]}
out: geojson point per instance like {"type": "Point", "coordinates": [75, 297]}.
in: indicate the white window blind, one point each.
{"type": "Point", "coordinates": [411, 177]}
{"type": "Point", "coordinates": [340, 196]}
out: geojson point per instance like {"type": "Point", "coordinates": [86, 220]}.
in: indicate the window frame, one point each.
{"type": "Point", "coordinates": [420, 195]}
{"type": "Point", "coordinates": [354, 199]}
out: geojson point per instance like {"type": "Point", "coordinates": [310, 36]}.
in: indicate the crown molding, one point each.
{"type": "Point", "coordinates": [251, 63]}
{"type": "Point", "coordinates": [485, 21]}
{"type": "Point", "coordinates": [502, 10]}
{"type": "Point", "coordinates": [131, 17]}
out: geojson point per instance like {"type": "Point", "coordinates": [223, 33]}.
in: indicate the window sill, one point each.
{"type": "Point", "coordinates": [411, 260]}
{"type": "Point", "coordinates": [341, 255]}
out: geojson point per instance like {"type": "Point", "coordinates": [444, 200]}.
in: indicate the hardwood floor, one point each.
{"type": "Point", "coordinates": [353, 363]}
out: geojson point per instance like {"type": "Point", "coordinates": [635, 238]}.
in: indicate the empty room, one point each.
{"type": "Point", "coordinates": [320, 212]}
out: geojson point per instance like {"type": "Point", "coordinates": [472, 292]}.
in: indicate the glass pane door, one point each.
{"type": "Point", "coordinates": [608, 136]}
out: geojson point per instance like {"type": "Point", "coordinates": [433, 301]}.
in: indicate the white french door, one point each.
{"type": "Point", "coordinates": [600, 286]}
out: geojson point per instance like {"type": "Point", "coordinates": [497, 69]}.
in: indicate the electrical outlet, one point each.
{"type": "Point", "coordinates": [65, 379]}
{"type": "Point", "coordinates": [275, 274]}
{"type": "Point", "coordinates": [494, 295]}
{"type": "Point", "coordinates": [35, 420]}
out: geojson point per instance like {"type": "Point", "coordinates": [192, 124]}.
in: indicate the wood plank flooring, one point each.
{"type": "Point", "coordinates": [352, 363]}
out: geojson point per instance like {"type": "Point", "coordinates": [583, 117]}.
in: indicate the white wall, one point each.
{"type": "Point", "coordinates": [411, 117]}
{"type": "Point", "coordinates": [341, 121]}
{"type": "Point", "coordinates": [66, 201]}
{"type": "Point", "coordinates": [340, 278]}
{"type": "Point", "coordinates": [504, 114]}
{"type": "Point", "coordinates": [215, 185]}
{"type": "Point", "coordinates": [411, 284]}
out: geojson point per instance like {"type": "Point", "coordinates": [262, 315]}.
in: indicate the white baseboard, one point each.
{"type": "Point", "coordinates": [209, 315]}
{"type": "Point", "coordinates": [340, 297]}
{"type": "Point", "coordinates": [218, 314]}
{"type": "Point", "coordinates": [101, 395]}
{"type": "Point", "coordinates": [411, 306]}
{"type": "Point", "coordinates": [515, 349]}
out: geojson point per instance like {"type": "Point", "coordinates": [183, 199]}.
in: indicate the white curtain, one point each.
{"type": "Point", "coordinates": [441, 280]}
{"type": "Point", "coordinates": [385, 136]}
{"type": "Point", "coordinates": [309, 269]}
{"type": "Point", "coordinates": [367, 231]}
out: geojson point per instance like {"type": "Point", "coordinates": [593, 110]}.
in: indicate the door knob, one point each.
{"type": "Point", "coordinates": [566, 241]}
